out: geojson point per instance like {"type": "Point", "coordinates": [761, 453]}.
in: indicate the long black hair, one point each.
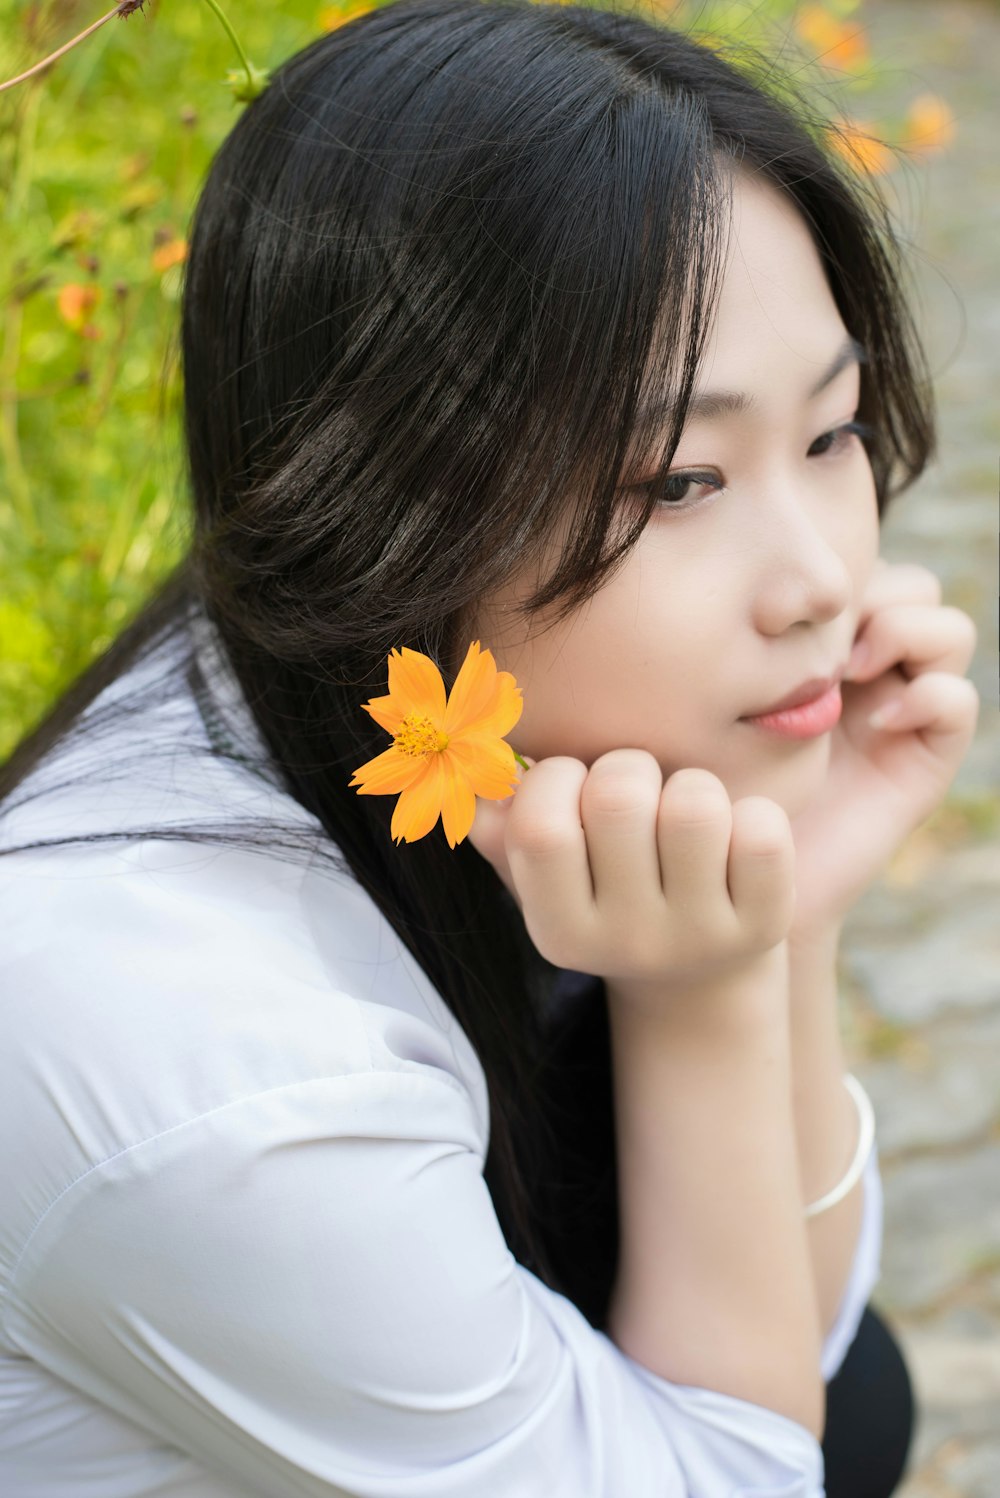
{"type": "Point", "coordinates": [429, 273]}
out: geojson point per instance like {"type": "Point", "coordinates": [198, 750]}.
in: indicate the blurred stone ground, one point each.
{"type": "Point", "coordinates": [921, 952]}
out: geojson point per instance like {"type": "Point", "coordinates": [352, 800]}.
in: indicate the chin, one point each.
{"type": "Point", "coordinates": [793, 778]}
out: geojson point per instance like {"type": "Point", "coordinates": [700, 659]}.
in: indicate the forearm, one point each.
{"type": "Point", "coordinates": [714, 1285]}
{"type": "Point", "coordinates": [826, 1120]}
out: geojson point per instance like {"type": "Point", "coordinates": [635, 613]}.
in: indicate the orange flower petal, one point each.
{"type": "Point", "coordinates": [387, 713]}
{"type": "Point", "coordinates": [416, 684]}
{"type": "Point", "coordinates": [458, 804]}
{"type": "Point", "coordinates": [508, 707]}
{"type": "Point", "coordinates": [488, 764]}
{"type": "Point", "coordinates": [419, 807]}
{"type": "Point", "coordinates": [483, 698]}
{"type": "Point", "coordinates": [474, 694]}
{"type": "Point", "coordinates": [484, 705]}
{"type": "Point", "coordinates": [388, 772]}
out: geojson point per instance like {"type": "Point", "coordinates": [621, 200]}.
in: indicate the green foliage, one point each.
{"type": "Point", "coordinates": [101, 159]}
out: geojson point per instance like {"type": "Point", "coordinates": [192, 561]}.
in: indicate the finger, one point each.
{"type": "Point", "coordinates": [693, 827]}
{"type": "Point", "coordinates": [916, 637]}
{"type": "Point", "coordinates": [941, 708]}
{"type": "Point", "coordinates": [761, 869]}
{"type": "Point", "coordinates": [898, 582]}
{"type": "Point", "coordinates": [618, 805]}
{"type": "Point", "coordinates": [547, 852]}
{"type": "Point", "coordinates": [889, 583]}
{"type": "Point", "coordinates": [488, 834]}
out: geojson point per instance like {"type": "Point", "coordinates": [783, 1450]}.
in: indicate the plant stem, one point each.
{"type": "Point", "coordinates": [232, 36]}
{"type": "Point", "coordinates": [47, 60]}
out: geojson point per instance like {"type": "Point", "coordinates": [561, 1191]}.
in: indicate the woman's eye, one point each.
{"type": "Point", "coordinates": [670, 488]}
{"type": "Point", "coordinates": [840, 437]}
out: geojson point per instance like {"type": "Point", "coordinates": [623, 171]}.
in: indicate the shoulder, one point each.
{"type": "Point", "coordinates": [116, 939]}
{"type": "Point", "coordinates": [149, 984]}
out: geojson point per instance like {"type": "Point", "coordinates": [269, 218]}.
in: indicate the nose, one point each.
{"type": "Point", "coordinates": [803, 575]}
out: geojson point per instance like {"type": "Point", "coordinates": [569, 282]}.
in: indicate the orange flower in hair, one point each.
{"type": "Point", "coordinates": [445, 752]}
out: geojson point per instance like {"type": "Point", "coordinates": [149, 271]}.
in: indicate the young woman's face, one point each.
{"type": "Point", "coordinates": [733, 598]}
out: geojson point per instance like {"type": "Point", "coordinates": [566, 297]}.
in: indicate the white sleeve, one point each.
{"type": "Point", "coordinates": [308, 1289]}
{"type": "Point", "coordinates": [866, 1271]}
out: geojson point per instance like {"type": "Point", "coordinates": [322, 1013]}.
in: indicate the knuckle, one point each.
{"type": "Point", "coordinates": [622, 762]}
{"type": "Point", "coordinates": [557, 775]}
{"type": "Point", "coordinates": [622, 780]}
{"type": "Point", "coordinates": [563, 764]}
{"type": "Point", "coordinates": [921, 578]}
{"type": "Point", "coordinates": [970, 692]}
{"type": "Point", "coordinates": [964, 626]}
{"type": "Point", "coordinates": [761, 825]}
{"type": "Point", "coordinates": [695, 779]}
{"type": "Point", "coordinates": [535, 836]}
{"type": "Point", "coordinates": [695, 794]}
{"type": "Point", "coordinates": [613, 797]}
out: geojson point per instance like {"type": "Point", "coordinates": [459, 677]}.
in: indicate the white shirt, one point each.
{"type": "Point", "coordinates": [246, 1246]}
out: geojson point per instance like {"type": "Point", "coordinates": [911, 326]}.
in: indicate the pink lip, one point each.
{"type": "Point", "coordinates": [806, 721]}
{"type": "Point", "coordinates": [808, 691]}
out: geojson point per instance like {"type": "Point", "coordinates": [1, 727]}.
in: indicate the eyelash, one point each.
{"type": "Point", "coordinates": [840, 435]}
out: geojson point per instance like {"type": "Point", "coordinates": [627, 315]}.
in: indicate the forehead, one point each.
{"type": "Point", "coordinates": [775, 334]}
{"type": "Point", "coordinates": [775, 309]}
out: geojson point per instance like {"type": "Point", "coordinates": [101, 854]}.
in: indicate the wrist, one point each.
{"type": "Point", "coordinates": [749, 997]}
{"type": "Point", "coordinates": [816, 932]}
{"type": "Point", "coordinates": [813, 953]}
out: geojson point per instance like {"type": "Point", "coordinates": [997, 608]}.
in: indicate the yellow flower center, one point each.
{"type": "Point", "coordinates": [418, 735]}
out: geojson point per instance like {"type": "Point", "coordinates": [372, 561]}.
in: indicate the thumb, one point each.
{"type": "Point", "coordinates": [488, 830]}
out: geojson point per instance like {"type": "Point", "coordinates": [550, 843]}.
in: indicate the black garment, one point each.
{"type": "Point", "coordinates": [870, 1406]}
{"type": "Point", "coordinates": [870, 1416]}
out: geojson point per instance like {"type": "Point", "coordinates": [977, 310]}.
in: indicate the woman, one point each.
{"type": "Point", "coordinates": [322, 1191]}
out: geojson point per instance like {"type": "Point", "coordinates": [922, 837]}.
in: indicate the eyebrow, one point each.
{"type": "Point", "coordinates": [712, 403]}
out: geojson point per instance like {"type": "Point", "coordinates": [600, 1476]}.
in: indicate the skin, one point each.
{"type": "Point", "coordinates": [725, 605]}
{"type": "Point", "coordinates": [717, 612]}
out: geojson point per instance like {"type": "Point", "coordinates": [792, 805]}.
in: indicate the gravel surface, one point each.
{"type": "Point", "coordinates": [921, 952]}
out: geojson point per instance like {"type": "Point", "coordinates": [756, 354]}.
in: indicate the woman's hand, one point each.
{"type": "Point", "coordinates": [884, 781]}
{"type": "Point", "coordinates": [654, 887]}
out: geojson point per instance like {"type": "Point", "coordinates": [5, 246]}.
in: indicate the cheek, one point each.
{"type": "Point", "coordinates": [498, 631]}
{"type": "Point", "coordinates": [854, 529]}
{"type": "Point", "coordinates": [868, 532]}
{"type": "Point", "coordinates": [593, 692]}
